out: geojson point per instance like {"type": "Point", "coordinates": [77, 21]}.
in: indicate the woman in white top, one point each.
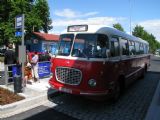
{"type": "Point", "coordinates": [34, 63]}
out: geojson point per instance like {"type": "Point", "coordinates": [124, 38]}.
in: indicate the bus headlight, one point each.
{"type": "Point", "coordinates": [92, 82]}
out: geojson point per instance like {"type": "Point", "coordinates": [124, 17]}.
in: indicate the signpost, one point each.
{"type": "Point", "coordinates": [19, 26]}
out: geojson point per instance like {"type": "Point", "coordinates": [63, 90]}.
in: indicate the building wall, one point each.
{"type": "Point", "coordinates": [36, 44]}
{"type": "Point", "coordinates": [49, 46]}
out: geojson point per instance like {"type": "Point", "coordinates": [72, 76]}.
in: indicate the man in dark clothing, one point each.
{"type": "Point", "coordinates": [9, 57]}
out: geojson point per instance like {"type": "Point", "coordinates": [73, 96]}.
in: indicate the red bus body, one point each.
{"type": "Point", "coordinates": [72, 74]}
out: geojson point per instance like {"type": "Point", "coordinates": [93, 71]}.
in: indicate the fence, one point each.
{"type": "Point", "coordinates": [9, 72]}
{"type": "Point", "coordinates": [12, 69]}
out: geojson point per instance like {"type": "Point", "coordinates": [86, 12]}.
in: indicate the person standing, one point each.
{"type": "Point", "coordinates": [34, 63]}
{"type": "Point", "coordinates": [10, 58]}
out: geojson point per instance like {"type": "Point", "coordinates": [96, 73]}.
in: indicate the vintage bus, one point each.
{"type": "Point", "coordinates": [98, 61]}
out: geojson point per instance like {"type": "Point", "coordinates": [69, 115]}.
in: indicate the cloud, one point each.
{"type": "Point", "coordinates": [68, 13]}
{"type": "Point", "coordinates": [108, 21]}
{"type": "Point", "coordinates": [152, 26]}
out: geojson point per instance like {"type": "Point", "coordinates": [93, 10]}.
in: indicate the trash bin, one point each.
{"type": "Point", "coordinates": [17, 83]}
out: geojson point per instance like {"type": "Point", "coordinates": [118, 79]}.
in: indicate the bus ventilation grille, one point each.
{"type": "Point", "coordinates": [69, 76]}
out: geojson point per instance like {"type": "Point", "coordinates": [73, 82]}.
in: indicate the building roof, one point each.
{"type": "Point", "coordinates": [46, 36]}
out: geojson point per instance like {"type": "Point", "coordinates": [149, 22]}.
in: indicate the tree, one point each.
{"type": "Point", "coordinates": [36, 17]}
{"type": "Point", "coordinates": [139, 31]}
{"type": "Point", "coordinates": [43, 14]}
{"type": "Point", "coordinates": [118, 27]}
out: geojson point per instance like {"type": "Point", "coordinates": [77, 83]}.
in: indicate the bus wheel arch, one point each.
{"type": "Point", "coordinates": [145, 67]}
{"type": "Point", "coordinates": [144, 70]}
{"type": "Point", "coordinates": [122, 83]}
{"type": "Point", "coordinates": [119, 88]}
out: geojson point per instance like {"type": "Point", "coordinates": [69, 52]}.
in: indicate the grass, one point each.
{"type": "Point", "coordinates": [7, 97]}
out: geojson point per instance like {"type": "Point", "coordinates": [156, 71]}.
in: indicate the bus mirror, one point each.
{"type": "Point", "coordinates": [107, 52]}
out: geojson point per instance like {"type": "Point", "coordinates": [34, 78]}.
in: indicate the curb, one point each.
{"type": "Point", "coordinates": [24, 105]}
{"type": "Point", "coordinates": [153, 112]}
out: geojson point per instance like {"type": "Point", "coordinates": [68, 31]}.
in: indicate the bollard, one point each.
{"type": "Point", "coordinates": [17, 83]}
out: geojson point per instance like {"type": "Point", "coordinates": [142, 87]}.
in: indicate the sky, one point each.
{"type": "Point", "coordinates": [128, 13]}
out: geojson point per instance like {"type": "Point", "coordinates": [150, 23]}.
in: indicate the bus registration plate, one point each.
{"type": "Point", "coordinates": [65, 90]}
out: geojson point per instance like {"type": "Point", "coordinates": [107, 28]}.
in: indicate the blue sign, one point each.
{"type": "Point", "coordinates": [44, 69]}
{"type": "Point", "coordinates": [18, 33]}
{"type": "Point", "coordinates": [16, 70]}
{"type": "Point", "coordinates": [19, 21]}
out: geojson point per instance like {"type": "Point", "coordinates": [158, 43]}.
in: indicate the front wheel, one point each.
{"type": "Point", "coordinates": [116, 92]}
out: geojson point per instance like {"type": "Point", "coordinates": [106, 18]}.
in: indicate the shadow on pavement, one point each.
{"type": "Point", "coordinates": [49, 114]}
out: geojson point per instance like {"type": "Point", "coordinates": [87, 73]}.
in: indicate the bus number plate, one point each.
{"type": "Point", "coordinates": [65, 90]}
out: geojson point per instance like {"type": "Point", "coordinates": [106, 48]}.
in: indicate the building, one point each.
{"type": "Point", "coordinates": [42, 42]}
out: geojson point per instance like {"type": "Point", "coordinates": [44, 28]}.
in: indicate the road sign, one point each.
{"type": "Point", "coordinates": [18, 22]}
{"type": "Point", "coordinates": [18, 33]}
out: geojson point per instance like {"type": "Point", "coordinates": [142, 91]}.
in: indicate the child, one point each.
{"type": "Point", "coordinates": [28, 73]}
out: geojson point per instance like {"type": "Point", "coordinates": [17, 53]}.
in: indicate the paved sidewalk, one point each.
{"type": "Point", "coordinates": [154, 109]}
{"type": "Point", "coordinates": [35, 95]}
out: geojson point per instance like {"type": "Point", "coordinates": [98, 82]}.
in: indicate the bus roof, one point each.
{"type": "Point", "coordinates": [105, 30]}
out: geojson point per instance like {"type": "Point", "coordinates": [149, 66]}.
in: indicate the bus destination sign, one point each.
{"type": "Point", "coordinates": [77, 28]}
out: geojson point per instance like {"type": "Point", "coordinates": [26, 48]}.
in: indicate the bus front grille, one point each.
{"type": "Point", "coordinates": [69, 76]}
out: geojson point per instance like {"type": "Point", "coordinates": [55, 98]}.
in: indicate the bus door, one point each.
{"type": "Point", "coordinates": [126, 62]}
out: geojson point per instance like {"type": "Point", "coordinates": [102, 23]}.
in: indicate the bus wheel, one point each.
{"type": "Point", "coordinates": [116, 92]}
{"type": "Point", "coordinates": [144, 70]}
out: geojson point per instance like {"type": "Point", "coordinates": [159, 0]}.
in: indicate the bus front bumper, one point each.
{"type": "Point", "coordinates": [77, 91]}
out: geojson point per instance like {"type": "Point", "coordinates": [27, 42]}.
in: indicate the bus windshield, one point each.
{"type": "Point", "coordinates": [90, 46]}
{"type": "Point", "coordinates": [65, 44]}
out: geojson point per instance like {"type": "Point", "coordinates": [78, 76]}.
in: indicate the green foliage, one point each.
{"type": "Point", "coordinates": [118, 27]}
{"type": "Point", "coordinates": [36, 17]}
{"type": "Point", "coordinates": [140, 32]}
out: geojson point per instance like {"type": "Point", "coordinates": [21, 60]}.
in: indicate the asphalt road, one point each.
{"type": "Point", "coordinates": [133, 105]}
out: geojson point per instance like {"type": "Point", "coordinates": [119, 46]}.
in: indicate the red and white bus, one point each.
{"type": "Point", "coordinates": [94, 60]}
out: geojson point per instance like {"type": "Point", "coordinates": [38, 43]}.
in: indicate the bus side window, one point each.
{"type": "Point", "coordinates": [131, 48]}
{"type": "Point", "coordinates": [124, 45]}
{"type": "Point", "coordinates": [141, 48]}
{"type": "Point", "coordinates": [102, 46]}
{"type": "Point", "coordinates": [146, 49]}
{"type": "Point", "coordinates": [137, 46]}
{"type": "Point", "coordinates": [114, 51]}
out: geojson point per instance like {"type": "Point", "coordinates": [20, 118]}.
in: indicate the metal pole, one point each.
{"type": "Point", "coordinates": [23, 45]}
{"type": "Point", "coordinates": [22, 29]}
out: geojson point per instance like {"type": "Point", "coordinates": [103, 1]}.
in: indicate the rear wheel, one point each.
{"type": "Point", "coordinates": [144, 70]}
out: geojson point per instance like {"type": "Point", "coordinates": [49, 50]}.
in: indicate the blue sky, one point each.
{"type": "Point", "coordinates": [107, 12]}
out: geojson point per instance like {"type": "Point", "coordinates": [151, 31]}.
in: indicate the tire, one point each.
{"type": "Point", "coordinates": [116, 92]}
{"type": "Point", "coordinates": [143, 72]}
